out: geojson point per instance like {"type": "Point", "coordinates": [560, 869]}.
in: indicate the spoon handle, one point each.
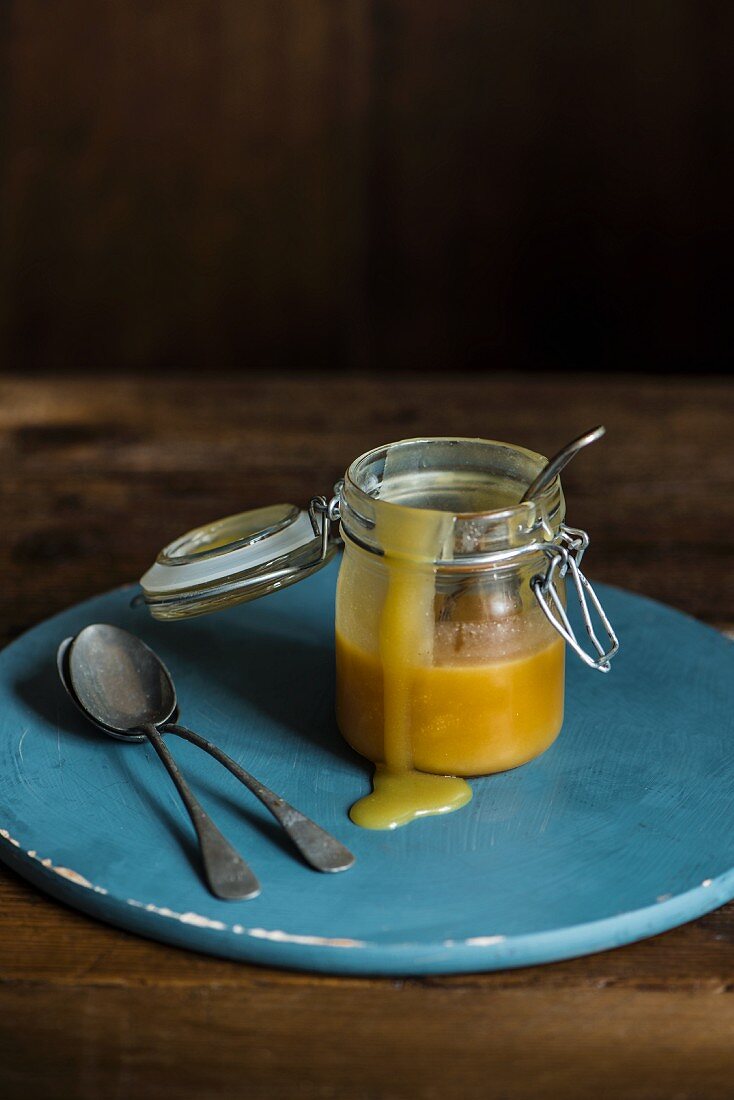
{"type": "Point", "coordinates": [226, 872]}
{"type": "Point", "coordinates": [560, 461]}
{"type": "Point", "coordinates": [323, 851]}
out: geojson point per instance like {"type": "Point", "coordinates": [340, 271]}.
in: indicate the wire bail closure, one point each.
{"type": "Point", "coordinates": [329, 512]}
{"type": "Point", "coordinates": [564, 556]}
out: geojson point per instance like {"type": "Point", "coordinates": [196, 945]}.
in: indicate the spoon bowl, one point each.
{"type": "Point", "coordinates": [119, 681]}
{"type": "Point", "coordinates": [62, 665]}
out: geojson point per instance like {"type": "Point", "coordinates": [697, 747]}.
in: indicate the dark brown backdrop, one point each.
{"type": "Point", "coordinates": [365, 183]}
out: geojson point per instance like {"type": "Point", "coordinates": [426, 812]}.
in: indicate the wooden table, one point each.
{"type": "Point", "coordinates": [96, 476]}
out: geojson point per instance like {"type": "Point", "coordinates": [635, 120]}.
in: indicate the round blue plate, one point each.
{"type": "Point", "coordinates": [621, 830]}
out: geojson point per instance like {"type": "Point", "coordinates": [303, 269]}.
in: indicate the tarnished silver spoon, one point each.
{"type": "Point", "coordinates": [123, 693]}
{"type": "Point", "coordinates": [321, 850]}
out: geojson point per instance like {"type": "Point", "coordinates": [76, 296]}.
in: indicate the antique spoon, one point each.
{"type": "Point", "coordinates": [554, 465]}
{"type": "Point", "coordinates": [126, 697]}
{"type": "Point", "coordinates": [321, 850]}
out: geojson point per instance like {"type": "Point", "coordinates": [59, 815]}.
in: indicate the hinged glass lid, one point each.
{"type": "Point", "coordinates": [239, 558]}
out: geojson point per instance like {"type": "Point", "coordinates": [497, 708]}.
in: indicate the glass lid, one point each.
{"type": "Point", "coordinates": [238, 558]}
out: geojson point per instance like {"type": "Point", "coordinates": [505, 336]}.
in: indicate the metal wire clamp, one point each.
{"type": "Point", "coordinates": [328, 510]}
{"type": "Point", "coordinates": [564, 557]}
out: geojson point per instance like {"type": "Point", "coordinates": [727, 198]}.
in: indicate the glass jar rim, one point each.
{"type": "Point", "coordinates": [537, 460]}
{"type": "Point", "coordinates": [481, 536]}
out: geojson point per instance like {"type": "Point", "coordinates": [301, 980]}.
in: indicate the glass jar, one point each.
{"type": "Point", "coordinates": [451, 620]}
{"type": "Point", "coordinates": [484, 667]}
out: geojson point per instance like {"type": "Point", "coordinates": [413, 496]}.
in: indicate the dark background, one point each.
{"type": "Point", "coordinates": [366, 184]}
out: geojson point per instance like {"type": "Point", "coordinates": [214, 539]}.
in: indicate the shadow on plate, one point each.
{"type": "Point", "coordinates": [287, 679]}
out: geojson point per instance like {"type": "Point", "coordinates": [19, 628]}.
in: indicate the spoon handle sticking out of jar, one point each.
{"type": "Point", "coordinates": [554, 466]}
{"type": "Point", "coordinates": [226, 872]}
{"type": "Point", "coordinates": [321, 850]}
{"type": "Point", "coordinates": [550, 471]}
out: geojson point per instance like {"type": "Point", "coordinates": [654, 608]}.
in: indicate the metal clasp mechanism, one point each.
{"type": "Point", "coordinates": [564, 556]}
{"type": "Point", "coordinates": [328, 510]}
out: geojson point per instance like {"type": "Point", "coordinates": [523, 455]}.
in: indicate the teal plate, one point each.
{"type": "Point", "coordinates": [621, 830]}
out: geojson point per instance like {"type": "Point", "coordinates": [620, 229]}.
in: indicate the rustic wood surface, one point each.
{"type": "Point", "coordinates": [95, 476]}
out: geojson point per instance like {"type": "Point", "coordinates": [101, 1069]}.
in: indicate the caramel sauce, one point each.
{"type": "Point", "coordinates": [430, 701]}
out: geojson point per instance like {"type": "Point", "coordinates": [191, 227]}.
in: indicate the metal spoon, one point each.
{"type": "Point", "coordinates": [123, 693]}
{"type": "Point", "coordinates": [554, 466]}
{"type": "Point", "coordinates": [507, 600]}
{"type": "Point", "coordinates": [321, 850]}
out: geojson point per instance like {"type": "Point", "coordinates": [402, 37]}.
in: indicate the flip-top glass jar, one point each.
{"type": "Point", "coordinates": [451, 622]}
{"type": "Point", "coordinates": [440, 639]}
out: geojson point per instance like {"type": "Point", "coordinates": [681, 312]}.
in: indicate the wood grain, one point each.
{"type": "Point", "coordinates": [118, 1016]}
{"type": "Point", "coordinates": [95, 475]}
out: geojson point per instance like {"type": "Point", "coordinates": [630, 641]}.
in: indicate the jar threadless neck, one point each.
{"type": "Point", "coordinates": [476, 483]}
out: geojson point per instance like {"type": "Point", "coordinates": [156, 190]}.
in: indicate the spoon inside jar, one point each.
{"type": "Point", "coordinates": [143, 667]}
{"type": "Point", "coordinates": [559, 461]}
{"type": "Point", "coordinates": [507, 601]}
